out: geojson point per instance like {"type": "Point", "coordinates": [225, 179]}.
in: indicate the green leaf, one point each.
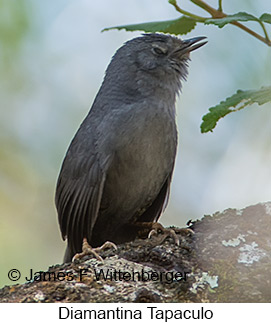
{"type": "Point", "coordinates": [179, 26]}
{"type": "Point", "coordinates": [236, 102]}
{"type": "Point", "coordinates": [266, 17]}
{"type": "Point", "coordinates": [240, 16]}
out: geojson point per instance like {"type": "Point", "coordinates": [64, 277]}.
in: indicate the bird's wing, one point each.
{"type": "Point", "coordinates": [79, 191]}
{"type": "Point", "coordinates": [154, 211]}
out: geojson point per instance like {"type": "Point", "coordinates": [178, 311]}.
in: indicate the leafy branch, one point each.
{"type": "Point", "coordinates": [188, 22]}
{"type": "Point", "coordinates": [236, 102]}
{"type": "Point", "coordinates": [220, 18]}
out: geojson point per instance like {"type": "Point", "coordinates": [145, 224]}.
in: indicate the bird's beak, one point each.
{"type": "Point", "coordinates": [187, 45]}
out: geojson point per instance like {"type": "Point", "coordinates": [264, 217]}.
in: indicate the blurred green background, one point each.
{"type": "Point", "coordinates": [52, 60]}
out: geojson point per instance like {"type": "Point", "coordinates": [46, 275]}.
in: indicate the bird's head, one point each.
{"type": "Point", "coordinates": [163, 54]}
{"type": "Point", "coordinates": [152, 61]}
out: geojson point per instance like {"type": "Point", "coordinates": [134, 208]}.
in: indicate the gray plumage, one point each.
{"type": "Point", "coordinates": [118, 167]}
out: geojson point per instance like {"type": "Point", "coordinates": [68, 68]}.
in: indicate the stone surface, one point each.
{"type": "Point", "coordinates": [227, 259]}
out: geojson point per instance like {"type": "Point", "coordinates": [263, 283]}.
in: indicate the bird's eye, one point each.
{"type": "Point", "coordinates": [159, 50]}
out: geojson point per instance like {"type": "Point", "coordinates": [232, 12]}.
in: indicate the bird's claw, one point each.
{"type": "Point", "coordinates": [88, 250]}
{"type": "Point", "coordinates": [157, 228]}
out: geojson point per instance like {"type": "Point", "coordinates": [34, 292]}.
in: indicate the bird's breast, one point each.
{"type": "Point", "coordinates": [143, 159]}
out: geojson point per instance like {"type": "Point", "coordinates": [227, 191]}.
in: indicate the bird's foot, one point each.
{"type": "Point", "coordinates": [157, 230]}
{"type": "Point", "coordinates": [88, 250]}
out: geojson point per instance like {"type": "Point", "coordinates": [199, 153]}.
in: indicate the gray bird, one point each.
{"type": "Point", "coordinates": [118, 168]}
